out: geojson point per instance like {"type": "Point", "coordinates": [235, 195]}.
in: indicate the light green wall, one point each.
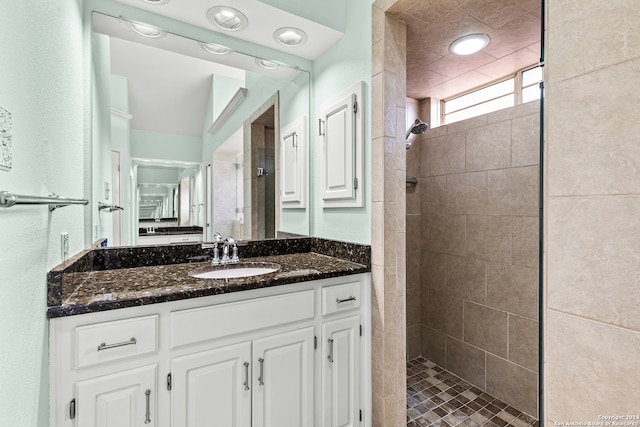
{"type": "Point", "coordinates": [222, 90]}
{"type": "Point", "coordinates": [42, 84]}
{"type": "Point", "coordinates": [165, 146]}
{"type": "Point", "coordinates": [347, 62]}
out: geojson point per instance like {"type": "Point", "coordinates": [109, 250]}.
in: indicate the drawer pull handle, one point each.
{"type": "Point", "coordinates": [246, 376]}
{"type": "Point", "coordinates": [340, 301]}
{"type": "Point", "coordinates": [104, 346]}
{"type": "Point", "coordinates": [147, 416]}
{"type": "Point", "coordinates": [261, 362]}
{"type": "Point", "coordinates": [330, 356]}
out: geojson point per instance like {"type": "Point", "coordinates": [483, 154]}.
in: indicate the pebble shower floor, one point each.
{"type": "Point", "coordinates": [437, 398]}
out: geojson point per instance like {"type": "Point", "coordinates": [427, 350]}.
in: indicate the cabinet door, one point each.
{"type": "Point", "coordinates": [212, 388]}
{"type": "Point", "coordinates": [341, 164]}
{"type": "Point", "coordinates": [338, 155]}
{"type": "Point", "coordinates": [341, 373]}
{"type": "Point", "coordinates": [293, 164]}
{"type": "Point", "coordinates": [125, 399]}
{"type": "Point", "coordinates": [283, 380]}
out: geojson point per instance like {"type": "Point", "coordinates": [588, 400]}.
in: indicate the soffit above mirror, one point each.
{"type": "Point", "coordinates": [263, 21]}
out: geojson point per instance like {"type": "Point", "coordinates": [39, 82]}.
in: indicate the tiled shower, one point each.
{"type": "Point", "coordinates": [472, 250]}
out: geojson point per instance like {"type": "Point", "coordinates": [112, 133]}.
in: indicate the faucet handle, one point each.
{"type": "Point", "coordinates": [217, 237]}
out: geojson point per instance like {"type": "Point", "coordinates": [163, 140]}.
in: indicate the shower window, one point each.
{"type": "Point", "coordinates": [508, 92]}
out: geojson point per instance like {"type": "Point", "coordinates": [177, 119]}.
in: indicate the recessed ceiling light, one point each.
{"type": "Point", "coordinates": [269, 65]}
{"type": "Point", "coordinates": [147, 31]}
{"type": "Point", "coordinates": [156, 2]}
{"type": "Point", "coordinates": [215, 48]}
{"type": "Point", "coordinates": [469, 44]}
{"type": "Point", "coordinates": [227, 18]}
{"type": "Point", "coordinates": [290, 36]}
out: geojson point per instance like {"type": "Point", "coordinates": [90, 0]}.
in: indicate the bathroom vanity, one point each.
{"type": "Point", "coordinates": [142, 342]}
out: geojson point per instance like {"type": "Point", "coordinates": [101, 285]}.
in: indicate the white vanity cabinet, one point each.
{"type": "Point", "coordinates": [289, 356]}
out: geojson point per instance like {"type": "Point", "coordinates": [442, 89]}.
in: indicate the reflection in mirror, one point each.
{"type": "Point", "coordinates": [168, 105]}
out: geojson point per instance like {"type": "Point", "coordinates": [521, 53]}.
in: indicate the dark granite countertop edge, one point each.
{"type": "Point", "coordinates": [62, 311]}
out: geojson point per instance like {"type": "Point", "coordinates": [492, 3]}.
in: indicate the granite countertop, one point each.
{"type": "Point", "coordinates": [111, 278]}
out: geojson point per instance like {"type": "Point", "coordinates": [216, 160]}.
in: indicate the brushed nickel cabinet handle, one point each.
{"type": "Point", "coordinates": [104, 346]}
{"type": "Point", "coordinates": [147, 417]}
{"type": "Point", "coordinates": [260, 379]}
{"type": "Point", "coordinates": [246, 376]}
{"type": "Point", "coordinates": [330, 356]}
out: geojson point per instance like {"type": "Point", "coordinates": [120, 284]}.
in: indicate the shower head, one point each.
{"type": "Point", "coordinates": [416, 128]}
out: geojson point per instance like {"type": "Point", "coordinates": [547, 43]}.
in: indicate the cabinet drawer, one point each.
{"type": "Point", "coordinates": [338, 298]}
{"type": "Point", "coordinates": [104, 342]}
{"type": "Point", "coordinates": [206, 323]}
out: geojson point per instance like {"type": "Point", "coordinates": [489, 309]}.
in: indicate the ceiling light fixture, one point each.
{"type": "Point", "coordinates": [266, 64]}
{"type": "Point", "coordinates": [227, 18]}
{"type": "Point", "coordinates": [156, 2]}
{"type": "Point", "coordinates": [290, 36]}
{"type": "Point", "coordinates": [216, 49]}
{"type": "Point", "coordinates": [469, 44]}
{"type": "Point", "coordinates": [147, 31]}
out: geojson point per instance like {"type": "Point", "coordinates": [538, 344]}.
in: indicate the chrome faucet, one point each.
{"type": "Point", "coordinates": [217, 238]}
{"type": "Point", "coordinates": [225, 250]}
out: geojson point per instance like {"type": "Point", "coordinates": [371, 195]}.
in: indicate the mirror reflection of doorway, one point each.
{"type": "Point", "coordinates": [264, 167]}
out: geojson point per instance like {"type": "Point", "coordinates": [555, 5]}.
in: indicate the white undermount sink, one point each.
{"type": "Point", "coordinates": [235, 270]}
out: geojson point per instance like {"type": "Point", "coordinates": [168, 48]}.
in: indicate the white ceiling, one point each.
{"type": "Point", "coordinates": [168, 92]}
{"type": "Point", "coordinates": [432, 25]}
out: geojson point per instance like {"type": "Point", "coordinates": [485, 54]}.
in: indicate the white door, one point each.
{"type": "Point", "coordinates": [283, 380]}
{"type": "Point", "coordinates": [341, 373]}
{"type": "Point", "coordinates": [212, 388]}
{"type": "Point", "coordinates": [116, 185]}
{"type": "Point", "coordinates": [125, 399]}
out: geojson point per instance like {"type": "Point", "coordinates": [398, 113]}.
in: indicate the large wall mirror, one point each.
{"type": "Point", "coordinates": [186, 134]}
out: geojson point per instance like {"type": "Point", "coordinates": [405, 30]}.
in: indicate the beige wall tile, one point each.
{"type": "Point", "coordinates": [466, 278]}
{"type": "Point", "coordinates": [486, 328]}
{"type": "Point", "coordinates": [390, 366]}
{"type": "Point", "coordinates": [591, 368]}
{"type": "Point", "coordinates": [444, 314]}
{"type": "Point", "coordinates": [448, 234]}
{"type": "Point", "coordinates": [525, 141]}
{"type": "Point", "coordinates": [489, 147]}
{"type": "Point", "coordinates": [593, 258]}
{"type": "Point", "coordinates": [390, 97]}
{"type": "Point", "coordinates": [377, 411]}
{"type": "Point", "coordinates": [447, 154]}
{"type": "Point", "coordinates": [434, 195]}
{"type": "Point", "coordinates": [377, 98]}
{"type": "Point", "coordinates": [414, 228]}
{"type": "Point", "coordinates": [425, 233]}
{"type": "Point", "coordinates": [467, 193]}
{"type": "Point", "coordinates": [414, 277]}
{"type": "Point", "coordinates": [414, 160]}
{"type": "Point", "coordinates": [377, 363]}
{"type": "Point", "coordinates": [464, 125]}
{"type": "Point", "coordinates": [413, 307]}
{"type": "Point", "coordinates": [606, 159]}
{"type": "Point", "coordinates": [434, 271]}
{"type": "Point", "coordinates": [434, 345]}
{"type": "Point", "coordinates": [513, 191]}
{"type": "Point", "coordinates": [514, 35]}
{"type": "Point", "coordinates": [414, 341]}
{"type": "Point", "coordinates": [377, 169]}
{"type": "Point", "coordinates": [489, 237]}
{"type": "Point", "coordinates": [513, 384]}
{"type": "Point", "coordinates": [513, 288]}
{"type": "Point", "coordinates": [612, 37]}
{"type": "Point", "coordinates": [391, 301]}
{"type": "Point", "coordinates": [524, 241]}
{"type": "Point", "coordinates": [414, 197]}
{"type": "Point", "coordinates": [515, 112]}
{"type": "Point", "coordinates": [466, 361]}
{"type": "Point", "coordinates": [425, 155]}
{"type": "Point", "coordinates": [523, 342]}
